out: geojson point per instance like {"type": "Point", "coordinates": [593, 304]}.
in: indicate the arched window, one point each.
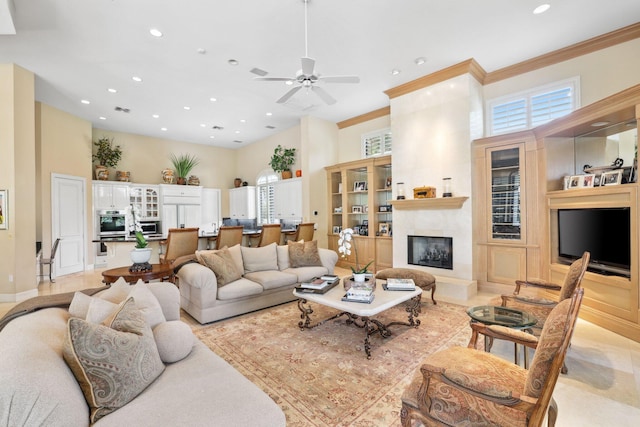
{"type": "Point", "coordinates": [264, 187]}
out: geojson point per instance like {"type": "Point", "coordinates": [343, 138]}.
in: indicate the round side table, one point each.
{"type": "Point", "coordinates": [159, 271]}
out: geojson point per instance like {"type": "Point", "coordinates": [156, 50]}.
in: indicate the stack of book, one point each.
{"type": "Point", "coordinates": [400, 285]}
{"type": "Point", "coordinates": [359, 293]}
{"type": "Point", "coordinates": [319, 285]}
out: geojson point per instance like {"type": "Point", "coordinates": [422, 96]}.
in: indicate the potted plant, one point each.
{"type": "Point", "coordinates": [282, 160]}
{"type": "Point", "coordinates": [107, 155]}
{"type": "Point", "coordinates": [183, 165]}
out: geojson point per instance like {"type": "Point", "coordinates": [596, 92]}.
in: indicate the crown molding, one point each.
{"type": "Point", "coordinates": [381, 112]}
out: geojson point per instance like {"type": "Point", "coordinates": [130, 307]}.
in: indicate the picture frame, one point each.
{"type": "Point", "coordinates": [360, 186]}
{"type": "Point", "coordinates": [611, 177]}
{"type": "Point", "coordinates": [365, 222]}
{"type": "Point", "coordinates": [4, 211]}
{"type": "Point", "coordinates": [384, 229]}
{"type": "Point", "coordinates": [588, 180]}
{"type": "Point", "coordinates": [575, 181]}
{"type": "Point", "coordinates": [356, 209]}
{"type": "Point", "coordinates": [337, 229]}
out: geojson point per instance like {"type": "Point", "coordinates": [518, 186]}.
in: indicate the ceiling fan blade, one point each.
{"type": "Point", "coordinates": [288, 95]}
{"type": "Point", "coordinates": [307, 65]}
{"type": "Point", "coordinates": [328, 99]}
{"type": "Point", "coordinates": [340, 79]}
{"type": "Point", "coordinates": [275, 79]}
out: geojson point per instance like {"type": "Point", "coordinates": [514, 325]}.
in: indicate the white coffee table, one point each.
{"type": "Point", "coordinates": [358, 313]}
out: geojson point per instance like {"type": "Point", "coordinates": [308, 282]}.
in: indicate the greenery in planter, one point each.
{"type": "Point", "coordinates": [107, 155]}
{"type": "Point", "coordinates": [183, 164]}
{"type": "Point", "coordinates": [282, 159]}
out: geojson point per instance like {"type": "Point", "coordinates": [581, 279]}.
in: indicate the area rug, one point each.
{"type": "Point", "coordinates": [321, 376]}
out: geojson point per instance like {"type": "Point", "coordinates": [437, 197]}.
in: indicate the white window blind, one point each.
{"type": "Point", "coordinates": [376, 143]}
{"type": "Point", "coordinates": [532, 108]}
{"type": "Point", "coordinates": [266, 202]}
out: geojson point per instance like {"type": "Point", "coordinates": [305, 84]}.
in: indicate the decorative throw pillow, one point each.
{"type": "Point", "coordinates": [79, 305]}
{"type": "Point", "coordinates": [304, 254]}
{"type": "Point", "coordinates": [148, 304]}
{"type": "Point", "coordinates": [222, 264]}
{"type": "Point", "coordinates": [174, 340]}
{"type": "Point", "coordinates": [99, 310]}
{"type": "Point", "coordinates": [112, 364]}
{"type": "Point", "coordinates": [260, 259]}
{"type": "Point", "coordinates": [118, 291]}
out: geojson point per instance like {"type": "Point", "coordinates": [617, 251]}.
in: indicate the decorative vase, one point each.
{"type": "Point", "coordinates": [167, 176]}
{"type": "Point", "coordinates": [181, 181]}
{"type": "Point", "coordinates": [237, 182]}
{"type": "Point", "coordinates": [140, 255]}
{"type": "Point", "coordinates": [359, 277]}
{"type": "Point", "coordinates": [102, 173]}
{"type": "Point", "coordinates": [299, 173]}
{"type": "Point", "coordinates": [193, 180]}
{"type": "Point", "coordinates": [123, 176]}
{"type": "Point", "coordinates": [286, 174]}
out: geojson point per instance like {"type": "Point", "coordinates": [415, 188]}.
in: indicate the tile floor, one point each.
{"type": "Point", "coordinates": [602, 387]}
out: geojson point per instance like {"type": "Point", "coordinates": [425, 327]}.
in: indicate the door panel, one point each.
{"type": "Point", "coordinates": [68, 223]}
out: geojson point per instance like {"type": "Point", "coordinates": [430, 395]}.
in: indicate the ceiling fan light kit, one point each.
{"type": "Point", "coordinates": [307, 77]}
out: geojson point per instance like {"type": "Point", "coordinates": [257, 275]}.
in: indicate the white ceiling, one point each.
{"type": "Point", "coordinates": [78, 49]}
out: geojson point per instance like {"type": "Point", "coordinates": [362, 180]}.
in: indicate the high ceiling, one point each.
{"type": "Point", "coordinates": [79, 49]}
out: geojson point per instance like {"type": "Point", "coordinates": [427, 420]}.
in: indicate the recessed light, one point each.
{"type": "Point", "coordinates": [202, 125]}
{"type": "Point", "coordinates": [243, 121]}
{"type": "Point", "coordinates": [237, 131]}
{"type": "Point", "coordinates": [112, 90]}
{"type": "Point", "coordinates": [289, 82]}
{"type": "Point", "coordinates": [212, 137]}
{"type": "Point", "coordinates": [163, 129]}
{"type": "Point", "coordinates": [233, 62]}
{"type": "Point", "coordinates": [395, 72]}
{"type": "Point", "coordinates": [212, 99]}
{"type": "Point", "coordinates": [187, 108]}
{"type": "Point", "coordinates": [84, 101]}
{"type": "Point", "coordinates": [201, 50]}
{"type": "Point", "coordinates": [155, 116]}
{"type": "Point", "coordinates": [420, 61]}
{"type": "Point", "coordinates": [155, 32]}
{"type": "Point", "coordinates": [102, 118]}
{"type": "Point", "coordinates": [541, 9]}
{"type": "Point", "coordinates": [599, 124]}
{"type": "Point", "coordinates": [136, 79]}
{"type": "Point", "coordinates": [269, 114]}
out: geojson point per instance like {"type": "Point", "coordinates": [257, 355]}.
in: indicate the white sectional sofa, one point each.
{"type": "Point", "coordinates": [269, 275]}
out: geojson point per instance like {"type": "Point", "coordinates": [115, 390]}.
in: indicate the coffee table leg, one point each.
{"type": "Point", "coordinates": [305, 323]}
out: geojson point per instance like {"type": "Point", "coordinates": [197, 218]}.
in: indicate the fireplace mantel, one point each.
{"type": "Point", "coordinates": [433, 203]}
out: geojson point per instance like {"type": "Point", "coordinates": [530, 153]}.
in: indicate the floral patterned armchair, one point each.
{"type": "Point", "coordinates": [463, 386]}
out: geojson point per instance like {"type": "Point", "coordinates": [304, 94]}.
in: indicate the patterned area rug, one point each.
{"type": "Point", "coordinates": [321, 376]}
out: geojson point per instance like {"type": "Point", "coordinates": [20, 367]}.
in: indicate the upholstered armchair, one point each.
{"type": "Point", "coordinates": [463, 386]}
{"type": "Point", "coordinates": [541, 307]}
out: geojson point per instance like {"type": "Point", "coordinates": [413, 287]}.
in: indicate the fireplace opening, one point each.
{"type": "Point", "coordinates": [429, 251]}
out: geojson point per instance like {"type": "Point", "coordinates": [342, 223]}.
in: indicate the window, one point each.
{"type": "Point", "coordinates": [264, 187]}
{"type": "Point", "coordinates": [532, 108]}
{"type": "Point", "coordinates": [376, 143]}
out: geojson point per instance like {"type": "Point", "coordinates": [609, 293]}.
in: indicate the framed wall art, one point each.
{"type": "Point", "coordinates": [4, 211]}
{"type": "Point", "coordinates": [360, 186]}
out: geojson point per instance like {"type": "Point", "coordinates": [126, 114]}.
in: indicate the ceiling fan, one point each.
{"type": "Point", "coordinates": [307, 77]}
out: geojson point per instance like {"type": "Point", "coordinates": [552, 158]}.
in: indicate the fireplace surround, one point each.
{"type": "Point", "coordinates": [430, 251]}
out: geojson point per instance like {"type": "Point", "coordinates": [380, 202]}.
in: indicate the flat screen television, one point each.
{"type": "Point", "coordinates": [604, 232]}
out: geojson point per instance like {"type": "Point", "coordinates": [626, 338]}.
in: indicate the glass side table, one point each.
{"type": "Point", "coordinates": [504, 316]}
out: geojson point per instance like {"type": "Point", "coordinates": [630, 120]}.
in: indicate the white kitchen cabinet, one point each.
{"type": "Point", "coordinates": [147, 198]}
{"type": "Point", "coordinates": [242, 202]}
{"type": "Point", "coordinates": [110, 195]}
{"type": "Point", "coordinates": [181, 206]}
{"type": "Point", "coordinates": [210, 207]}
{"type": "Point", "coordinates": [287, 196]}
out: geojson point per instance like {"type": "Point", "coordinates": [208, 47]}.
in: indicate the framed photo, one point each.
{"type": "Point", "coordinates": [365, 222]}
{"type": "Point", "coordinates": [4, 211]}
{"type": "Point", "coordinates": [611, 177]}
{"type": "Point", "coordinates": [360, 186]}
{"type": "Point", "coordinates": [337, 229]}
{"type": "Point", "coordinates": [356, 209]}
{"type": "Point", "coordinates": [588, 180]}
{"type": "Point", "coordinates": [575, 181]}
{"type": "Point", "coordinates": [383, 229]}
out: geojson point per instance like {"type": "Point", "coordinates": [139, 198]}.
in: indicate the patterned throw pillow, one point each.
{"type": "Point", "coordinates": [114, 363]}
{"type": "Point", "coordinates": [222, 264]}
{"type": "Point", "coordinates": [304, 254]}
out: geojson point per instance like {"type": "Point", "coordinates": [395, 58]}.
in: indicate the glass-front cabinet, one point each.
{"type": "Point", "coordinates": [505, 191]}
{"type": "Point", "coordinates": [147, 199]}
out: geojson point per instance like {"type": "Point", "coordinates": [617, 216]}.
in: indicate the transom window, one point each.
{"type": "Point", "coordinates": [376, 143]}
{"type": "Point", "coordinates": [265, 193]}
{"type": "Point", "coordinates": [526, 110]}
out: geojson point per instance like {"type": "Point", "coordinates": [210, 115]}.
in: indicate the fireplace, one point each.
{"type": "Point", "coordinates": [429, 251]}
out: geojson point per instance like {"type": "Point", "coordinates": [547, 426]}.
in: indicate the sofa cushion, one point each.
{"type": "Point", "coordinates": [99, 310]}
{"type": "Point", "coordinates": [222, 265]}
{"type": "Point", "coordinates": [115, 363]}
{"type": "Point", "coordinates": [118, 292]}
{"type": "Point", "coordinates": [174, 340]}
{"type": "Point", "coordinates": [260, 259]}
{"type": "Point", "coordinates": [272, 279]}
{"type": "Point", "coordinates": [305, 274]}
{"type": "Point", "coordinates": [79, 305]}
{"type": "Point", "coordinates": [148, 304]}
{"type": "Point", "coordinates": [239, 289]}
{"type": "Point", "coordinates": [304, 254]}
{"type": "Point", "coordinates": [283, 257]}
